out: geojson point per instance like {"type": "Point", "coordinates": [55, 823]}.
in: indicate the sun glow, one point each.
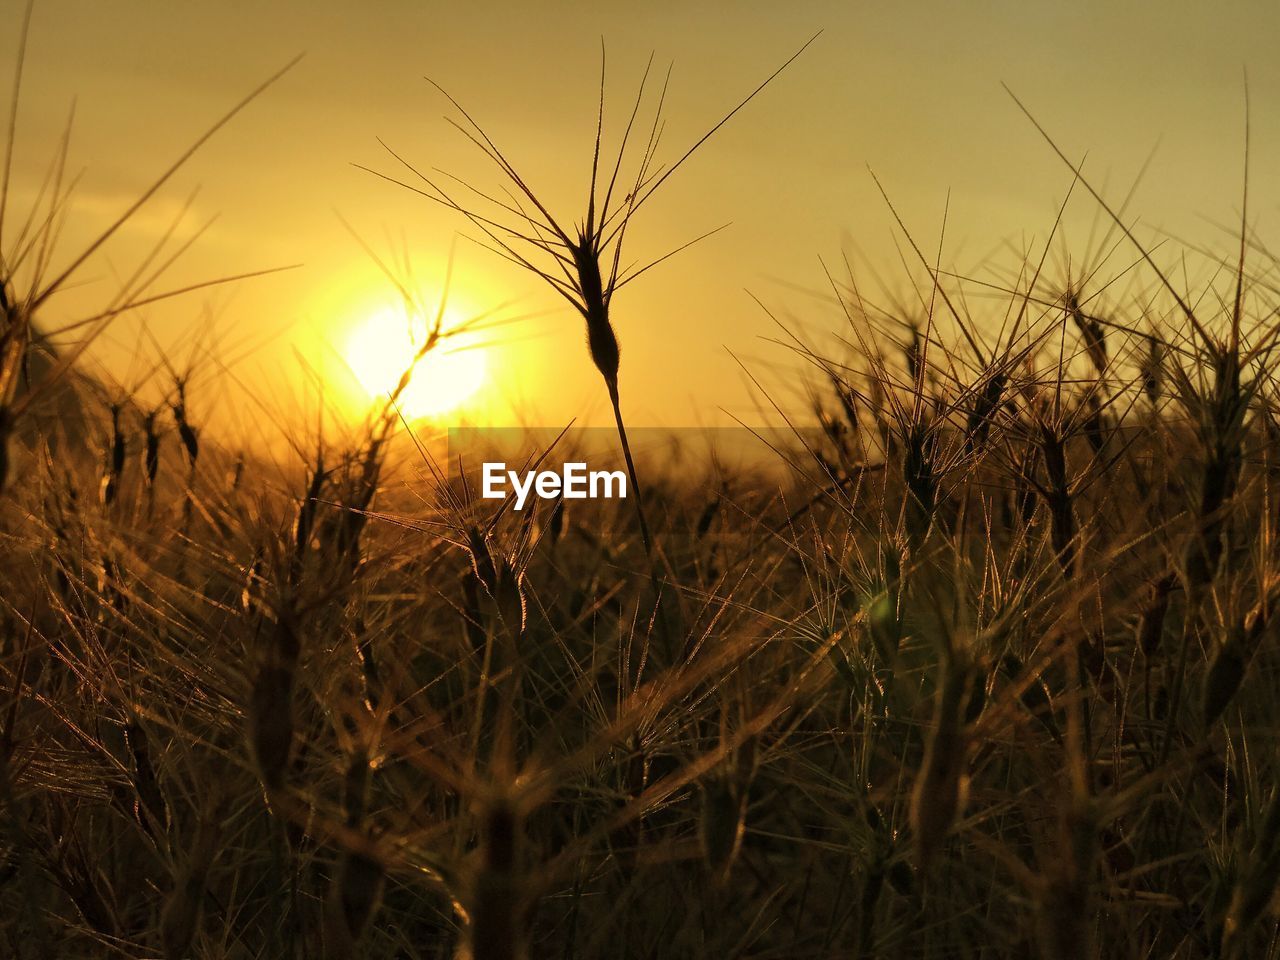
{"type": "Point", "coordinates": [380, 350]}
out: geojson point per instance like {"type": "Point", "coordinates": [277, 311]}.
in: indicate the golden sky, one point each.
{"type": "Point", "coordinates": [911, 90]}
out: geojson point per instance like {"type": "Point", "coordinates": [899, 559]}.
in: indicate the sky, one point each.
{"type": "Point", "coordinates": [911, 91]}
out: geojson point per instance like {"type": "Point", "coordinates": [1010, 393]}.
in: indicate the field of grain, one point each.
{"type": "Point", "coordinates": [979, 666]}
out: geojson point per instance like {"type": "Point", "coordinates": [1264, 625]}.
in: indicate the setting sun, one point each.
{"type": "Point", "coordinates": [380, 349]}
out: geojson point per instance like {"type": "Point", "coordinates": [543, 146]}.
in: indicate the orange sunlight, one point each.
{"type": "Point", "coordinates": [380, 349]}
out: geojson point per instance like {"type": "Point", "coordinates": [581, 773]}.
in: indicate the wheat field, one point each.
{"type": "Point", "coordinates": [989, 672]}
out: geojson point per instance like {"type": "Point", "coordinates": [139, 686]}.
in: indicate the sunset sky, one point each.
{"type": "Point", "coordinates": [911, 90]}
